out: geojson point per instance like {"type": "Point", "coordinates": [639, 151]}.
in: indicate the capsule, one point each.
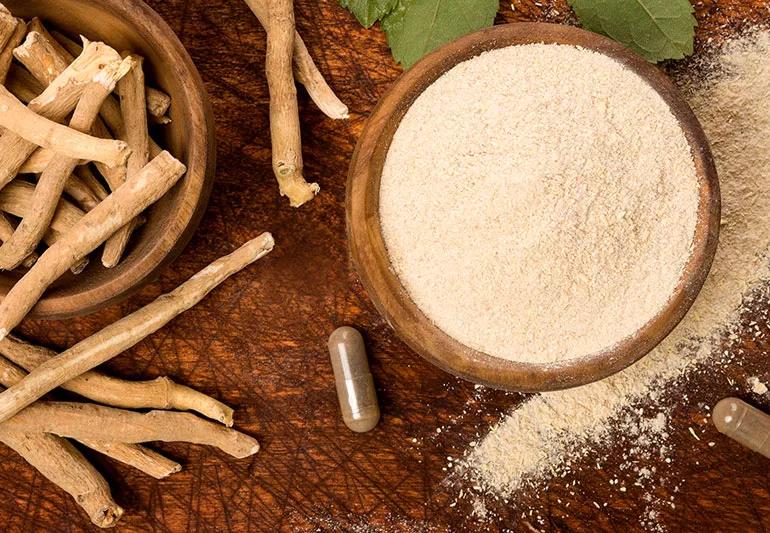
{"type": "Point", "coordinates": [355, 385]}
{"type": "Point", "coordinates": [743, 423]}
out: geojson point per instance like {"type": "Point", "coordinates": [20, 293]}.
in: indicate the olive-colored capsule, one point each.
{"type": "Point", "coordinates": [355, 385]}
{"type": "Point", "coordinates": [743, 423]}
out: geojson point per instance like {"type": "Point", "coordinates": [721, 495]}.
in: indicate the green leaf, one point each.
{"type": "Point", "coordinates": [656, 29]}
{"type": "Point", "coordinates": [369, 11]}
{"type": "Point", "coordinates": [416, 27]}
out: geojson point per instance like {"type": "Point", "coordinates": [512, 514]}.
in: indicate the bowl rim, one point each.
{"type": "Point", "coordinates": [196, 184]}
{"type": "Point", "coordinates": [391, 299]}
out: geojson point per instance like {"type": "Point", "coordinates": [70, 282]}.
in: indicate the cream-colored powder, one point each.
{"type": "Point", "coordinates": [550, 430]}
{"type": "Point", "coordinates": [539, 202]}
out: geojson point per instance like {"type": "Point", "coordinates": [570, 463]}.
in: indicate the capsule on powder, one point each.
{"type": "Point", "coordinates": [355, 385]}
{"type": "Point", "coordinates": [743, 423]}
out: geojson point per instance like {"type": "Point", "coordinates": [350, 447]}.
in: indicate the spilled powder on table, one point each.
{"type": "Point", "coordinates": [731, 97]}
{"type": "Point", "coordinates": [757, 387]}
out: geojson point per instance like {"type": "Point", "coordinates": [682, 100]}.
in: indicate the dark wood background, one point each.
{"type": "Point", "coordinates": [258, 343]}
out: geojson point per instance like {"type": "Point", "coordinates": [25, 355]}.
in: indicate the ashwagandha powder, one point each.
{"type": "Point", "coordinates": [539, 202]}
{"type": "Point", "coordinates": [732, 101]}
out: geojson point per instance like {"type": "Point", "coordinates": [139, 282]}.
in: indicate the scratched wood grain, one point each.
{"type": "Point", "coordinates": [258, 344]}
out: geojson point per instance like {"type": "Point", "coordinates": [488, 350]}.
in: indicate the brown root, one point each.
{"type": "Point", "coordinates": [284, 111]}
{"type": "Point", "coordinates": [133, 106]}
{"type": "Point", "coordinates": [54, 103]}
{"type": "Point", "coordinates": [305, 70]}
{"type": "Point", "coordinates": [6, 231]}
{"type": "Point", "coordinates": [119, 336]}
{"type": "Point", "coordinates": [82, 421]}
{"type": "Point", "coordinates": [131, 199]}
{"type": "Point", "coordinates": [63, 465]}
{"type": "Point", "coordinates": [6, 52]}
{"type": "Point", "coordinates": [160, 393]}
{"type": "Point", "coordinates": [53, 180]}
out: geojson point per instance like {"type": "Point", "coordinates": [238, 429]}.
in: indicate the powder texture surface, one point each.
{"type": "Point", "coordinates": [548, 431]}
{"type": "Point", "coordinates": [539, 202]}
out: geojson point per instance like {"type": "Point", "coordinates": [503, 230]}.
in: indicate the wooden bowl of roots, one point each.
{"type": "Point", "coordinates": [370, 255]}
{"type": "Point", "coordinates": [132, 25]}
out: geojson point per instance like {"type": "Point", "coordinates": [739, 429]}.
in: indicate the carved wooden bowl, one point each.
{"type": "Point", "coordinates": [132, 25]}
{"type": "Point", "coordinates": [391, 298]}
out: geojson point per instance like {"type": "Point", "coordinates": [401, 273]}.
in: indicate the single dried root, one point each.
{"type": "Point", "coordinates": [135, 455]}
{"type": "Point", "coordinates": [36, 25]}
{"type": "Point", "coordinates": [134, 108]}
{"type": "Point", "coordinates": [81, 193]}
{"type": "Point", "coordinates": [39, 55]}
{"type": "Point", "coordinates": [40, 159]}
{"type": "Point", "coordinates": [63, 465]}
{"type": "Point", "coordinates": [87, 176]}
{"type": "Point", "coordinates": [160, 393]}
{"type": "Point", "coordinates": [158, 102]}
{"type": "Point", "coordinates": [15, 199]}
{"type": "Point", "coordinates": [284, 111]}
{"type": "Point", "coordinates": [96, 422]}
{"type": "Point", "coordinates": [6, 51]}
{"type": "Point", "coordinates": [115, 211]}
{"type": "Point", "coordinates": [54, 103]}
{"type": "Point", "coordinates": [21, 120]}
{"type": "Point", "coordinates": [52, 182]}
{"type": "Point", "coordinates": [123, 334]}
{"type": "Point", "coordinates": [305, 70]}
{"type": "Point", "coordinates": [6, 231]}
{"type": "Point", "coordinates": [8, 25]}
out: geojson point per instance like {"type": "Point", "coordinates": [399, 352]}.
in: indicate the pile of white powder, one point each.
{"type": "Point", "coordinates": [543, 435]}
{"type": "Point", "coordinates": [539, 203]}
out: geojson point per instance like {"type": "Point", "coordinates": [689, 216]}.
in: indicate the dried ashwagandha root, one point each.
{"type": "Point", "coordinates": [15, 199]}
{"type": "Point", "coordinates": [158, 102]}
{"type": "Point", "coordinates": [97, 422]}
{"type": "Point", "coordinates": [160, 393]}
{"type": "Point", "coordinates": [37, 432]}
{"type": "Point", "coordinates": [135, 455]}
{"type": "Point", "coordinates": [284, 111]}
{"type": "Point", "coordinates": [111, 112]}
{"type": "Point", "coordinates": [61, 463]}
{"type": "Point", "coordinates": [132, 198]}
{"type": "Point", "coordinates": [133, 105]}
{"type": "Point", "coordinates": [123, 334]}
{"type": "Point", "coordinates": [54, 103]}
{"type": "Point", "coordinates": [81, 193]}
{"type": "Point", "coordinates": [40, 55]}
{"type": "Point", "coordinates": [305, 70]}
{"type": "Point", "coordinates": [11, 35]}
{"type": "Point", "coordinates": [6, 231]}
{"type": "Point", "coordinates": [53, 180]}
{"type": "Point", "coordinates": [17, 118]}
{"type": "Point", "coordinates": [45, 58]}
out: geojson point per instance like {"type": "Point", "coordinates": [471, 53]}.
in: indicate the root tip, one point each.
{"type": "Point", "coordinates": [108, 516]}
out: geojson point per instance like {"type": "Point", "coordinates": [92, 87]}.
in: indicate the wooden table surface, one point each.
{"type": "Point", "coordinates": [258, 343]}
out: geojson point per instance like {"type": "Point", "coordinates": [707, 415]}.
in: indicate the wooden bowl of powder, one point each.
{"type": "Point", "coordinates": [533, 207]}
